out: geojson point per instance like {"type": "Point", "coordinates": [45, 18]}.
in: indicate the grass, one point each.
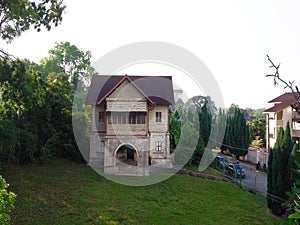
{"type": "Point", "coordinates": [62, 192]}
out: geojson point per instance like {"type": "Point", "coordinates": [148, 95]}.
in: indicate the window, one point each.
{"type": "Point", "coordinates": [101, 116]}
{"type": "Point", "coordinates": [132, 118]}
{"type": "Point", "coordinates": [102, 146]}
{"type": "Point", "coordinates": [141, 119]}
{"type": "Point", "coordinates": [126, 118]}
{"type": "Point", "coordinates": [158, 117]}
{"type": "Point", "coordinates": [158, 146]}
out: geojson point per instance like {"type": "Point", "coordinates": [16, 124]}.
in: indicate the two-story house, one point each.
{"type": "Point", "coordinates": [129, 123]}
{"type": "Point", "coordinates": [278, 115]}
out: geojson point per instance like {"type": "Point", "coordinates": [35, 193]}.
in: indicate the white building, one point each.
{"type": "Point", "coordinates": [278, 115]}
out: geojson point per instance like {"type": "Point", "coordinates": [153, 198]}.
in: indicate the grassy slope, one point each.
{"type": "Point", "coordinates": [62, 192]}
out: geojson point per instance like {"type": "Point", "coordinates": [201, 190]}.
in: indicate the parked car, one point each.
{"type": "Point", "coordinates": [221, 162]}
{"type": "Point", "coordinates": [235, 170]}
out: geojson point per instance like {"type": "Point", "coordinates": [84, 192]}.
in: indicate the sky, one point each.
{"type": "Point", "coordinates": [232, 38]}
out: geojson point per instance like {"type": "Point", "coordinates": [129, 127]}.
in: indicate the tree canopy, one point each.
{"type": "Point", "coordinates": [67, 58]}
{"type": "Point", "coordinates": [18, 16]}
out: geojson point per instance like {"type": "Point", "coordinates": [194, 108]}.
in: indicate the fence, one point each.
{"type": "Point", "coordinates": [257, 155]}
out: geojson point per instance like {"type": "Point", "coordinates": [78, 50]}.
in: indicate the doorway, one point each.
{"type": "Point", "coordinates": [126, 154]}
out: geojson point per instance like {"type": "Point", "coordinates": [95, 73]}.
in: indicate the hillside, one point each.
{"type": "Point", "coordinates": [63, 192]}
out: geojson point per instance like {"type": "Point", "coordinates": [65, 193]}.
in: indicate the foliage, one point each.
{"type": "Point", "coordinates": [219, 130]}
{"type": "Point", "coordinates": [237, 134]}
{"type": "Point", "coordinates": [257, 142]}
{"type": "Point", "coordinates": [174, 129]}
{"type": "Point", "coordinates": [35, 115]}
{"type": "Point", "coordinates": [257, 128]}
{"type": "Point", "coordinates": [193, 123]}
{"type": "Point", "coordinates": [19, 15]}
{"type": "Point", "coordinates": [67, 58]}
{"type": "Point", "coordinates": [205, 121]}
{"type": "Point", "coordinates": [7, 200]}
{"type": "Point", "coordinates": [292, 205]}
{"type": "Point", "coordinates": [186, 145]}
{"type": "Point", "coordinates": [279, 179]}
{"type": "Point", "coordinates": [8, 142]}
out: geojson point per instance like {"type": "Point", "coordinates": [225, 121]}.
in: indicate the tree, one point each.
{"type": "Point", "coordinates": [186, 145]}
{"type": "Point", "coordinates": [35, 115]}
{"type": "Point", "coordinates": [205, 121]}
{"type": "Point", "coordinates": [19, 15]}
{"type": "Point", "coordinates": [270, 175]}
{"type": "Point", "coordinates": [22, 97]}
{"type": "Point", "coordinates": [219, 129]}
{"type": "Point", "coordinates": [257, 128]}
{"type": "Point", "coordinates": [279, 179]}
{"type": "Point", "coordinates": [174, 129]}
{"type": "Point", "coordinates": [67, 58]}
{"type": "Point", "coordinates": [288, 84]}
{"type": "Point", "coordinates": [292, 205]}
{"type": "Point", "coordinates": [237, 134]}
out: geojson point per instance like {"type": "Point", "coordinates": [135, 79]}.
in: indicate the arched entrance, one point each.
{"type": "Point", "coordinates": [126, 154]}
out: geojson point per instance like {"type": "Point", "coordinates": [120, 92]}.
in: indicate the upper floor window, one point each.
{"type": "Point", "coordinates": [158, 146]}
{"type": "Point", "coordinates": [102, 146]}
{"type": "Point", "coordinates": [101, 116]}
{"type": "Point", "coordinates": [158, 116]}
{"type": "Point", "coordinates": [127, 118]}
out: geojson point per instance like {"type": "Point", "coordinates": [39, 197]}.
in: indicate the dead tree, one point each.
{"type": "Point", "coordinates": [288, 84]}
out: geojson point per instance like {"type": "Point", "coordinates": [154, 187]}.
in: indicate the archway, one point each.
{"type": "Point", "coordinates": [127, 154]}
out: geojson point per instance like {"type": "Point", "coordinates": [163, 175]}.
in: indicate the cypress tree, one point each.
{"type": "Point", "coordinates": [279, 179]}
{"type": "Point", "coordinates": [237, 134]}
{"type": "Point", "coordinates": [272, 186]}
{"type": "Point", "coordinates": [269, 180]}
{"type": "Point", "coordinates": [205, 121]}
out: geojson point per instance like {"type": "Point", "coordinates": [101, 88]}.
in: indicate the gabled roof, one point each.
{"type": "Point", "coordinates": [157, 89]}
{"type": "Point", "coordinates": [281, 102]}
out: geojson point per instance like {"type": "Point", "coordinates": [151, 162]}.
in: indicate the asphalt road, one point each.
{"type": "Point", "coordinates": [254, 181]}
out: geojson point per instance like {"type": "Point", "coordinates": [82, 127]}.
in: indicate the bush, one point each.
{"type": "Point", "coordinates": [7, 200]}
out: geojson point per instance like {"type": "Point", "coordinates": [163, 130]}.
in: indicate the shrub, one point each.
{"type": "Point", "coordinates": [7, 200]}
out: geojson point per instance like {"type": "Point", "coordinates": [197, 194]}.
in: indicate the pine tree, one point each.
{"type": "Point", "coordinates": [220, 129]}
{"type": "Point", "coordinates": [270, 180]}
{"type": "Point", "coordinates": [237, 134]}
{"type": "Point", "coordinates": [279, 180]}
{"type": "Point", "coordinates": [205, 121]}
{"type": "Point", "coordinates": [274, 168]}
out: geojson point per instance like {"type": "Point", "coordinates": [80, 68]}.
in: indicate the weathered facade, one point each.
{"type": "Point", "coordinates": [129, 131]}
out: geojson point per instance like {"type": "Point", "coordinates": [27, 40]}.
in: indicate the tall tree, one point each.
{"type": "Point", "coordinates": [279, 179]}
{"type": "Point", "coordinates": [257, 127]}
{"type": "Point", "coordinates": [67, 58]}
{"type": "Point", "coordinates": [175, 129]}
{"type": "Point", "coordinates": [205, 121]}
{"type": "Point", "coordinates": [237, 134]}
{"type": "Point", "coordinates": [219, 129]}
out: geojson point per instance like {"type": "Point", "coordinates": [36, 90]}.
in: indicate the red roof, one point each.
{"type": "Point", "coordinates": [281, 102]}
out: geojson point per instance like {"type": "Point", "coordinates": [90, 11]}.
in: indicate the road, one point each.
{"type": "Point", "coordinates": [254, 181]}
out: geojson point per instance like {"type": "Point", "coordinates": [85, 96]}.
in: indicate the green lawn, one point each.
{"type": "Point", "coordinates": [62, 192]}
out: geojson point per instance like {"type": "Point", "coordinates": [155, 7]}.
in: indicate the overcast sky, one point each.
{"type": "Point", "coordinates": [231, 37]}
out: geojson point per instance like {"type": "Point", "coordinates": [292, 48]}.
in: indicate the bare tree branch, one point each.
{"type": "Point", "coordinates": [5, 55]}
{"type": "Point", "coordinates": [290, 84]}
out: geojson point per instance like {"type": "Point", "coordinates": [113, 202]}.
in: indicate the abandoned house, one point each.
{"type": "Point", "coordinates": [129, 123]}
